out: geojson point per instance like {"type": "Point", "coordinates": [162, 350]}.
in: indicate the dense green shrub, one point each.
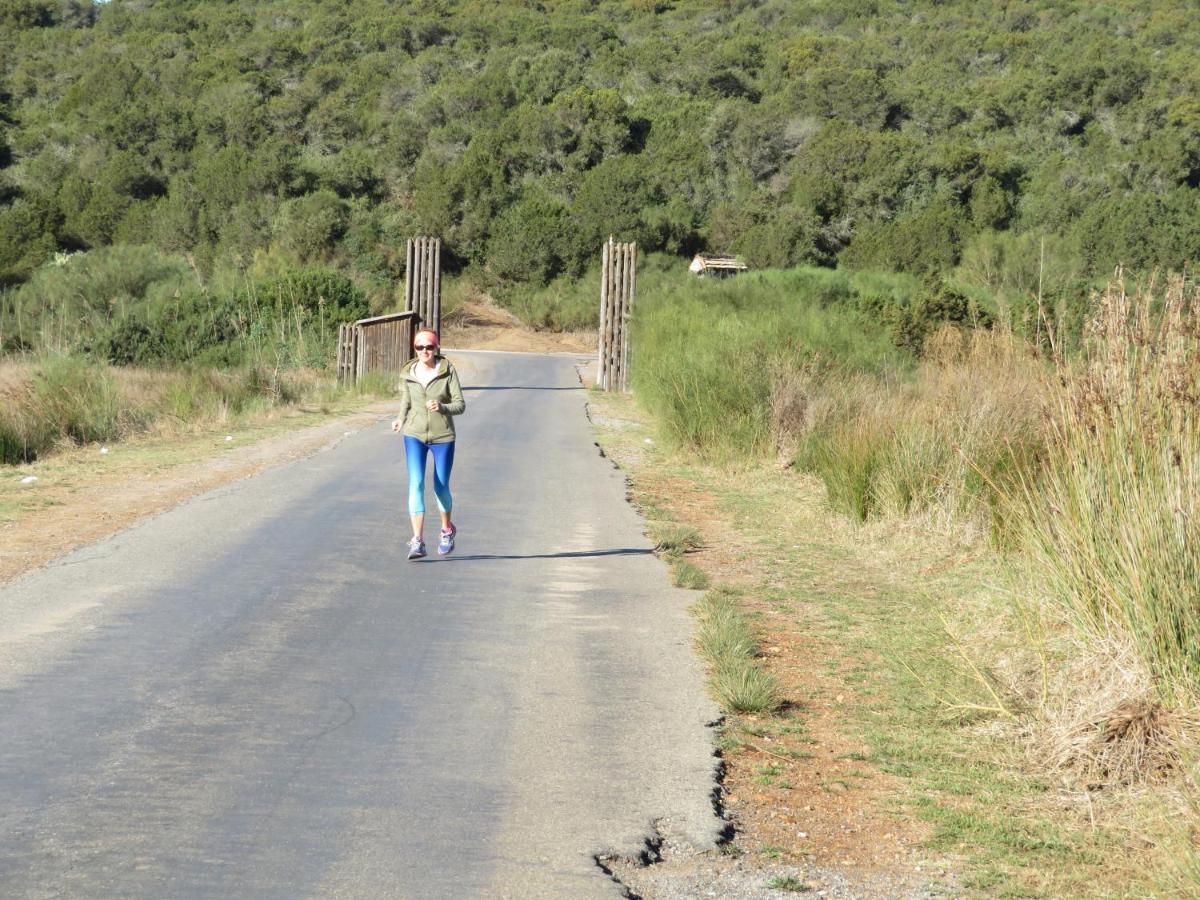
{"type": "Point", "coordinates": [927, 241]}
{"type": "Point", "coordinates": [183, 330]}
{"type": "Point", "coordinates": [290, 318]}
{"type": "Point", "coordinates": [529, 239]}
{"type": "Point", "coordinates": [936, 305]}
{"type": "Point", "coordinates": [320, 292]}
{"type": "Point", "coordinates": [1142, 231]}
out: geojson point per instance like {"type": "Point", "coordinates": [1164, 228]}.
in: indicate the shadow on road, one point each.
{"type": "Point", "coordinates": [571, 554]}
{"type": "Point", "coordinates": [518, 387]}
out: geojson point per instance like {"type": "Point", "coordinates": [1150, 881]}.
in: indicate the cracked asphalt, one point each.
{"type": "Point", "coordinates": [255, 695]}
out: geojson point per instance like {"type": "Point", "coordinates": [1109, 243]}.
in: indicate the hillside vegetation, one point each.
{"type": "Point", "coordinates": [1024, 144]}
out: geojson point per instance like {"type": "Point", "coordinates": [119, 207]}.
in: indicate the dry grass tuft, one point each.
{"type": "Point", "coordinates": [729, 646]}
{"type": "Point", "coordinates": [1137, 741]}
{"type": "Point", "coordinates": [56, 401]}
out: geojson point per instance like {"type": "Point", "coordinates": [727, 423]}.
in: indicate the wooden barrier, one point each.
{"type": "Point", "coordinates": [379, 344]}
{"type": "Point", "coordinates": [423, 281]}
{"type": "Point", "coordinates": [618, 279]}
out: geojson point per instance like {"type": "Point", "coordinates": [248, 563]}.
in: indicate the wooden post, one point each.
{"type": "Point", "coordinates": [618, 277]}
{"type": "Point", "coordinates": [360, 358]}
{"type": "Point", "coordinates": [614, 301]}
{"type": "Point", "coordinates": [604, 254]}
{"type": "Point", "coordinates": [437, 285]}
{"type": "Point", "coordinates": [341, 353]}
{"type": "Point", "coordinates": [423, 281]}
{"type": "Point", "coordinates": [408, 277]}
{"type": "Point", "coordinates": [627, 313]}
{"type": "Point", "coordinates": [614, 379]}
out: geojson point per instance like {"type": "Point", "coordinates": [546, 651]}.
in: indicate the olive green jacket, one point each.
{"type": "Point", "coordinates": [417, 421]}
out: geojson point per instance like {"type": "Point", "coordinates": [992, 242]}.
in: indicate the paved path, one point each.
{"type": "Point", "coordinates": [255, 695]}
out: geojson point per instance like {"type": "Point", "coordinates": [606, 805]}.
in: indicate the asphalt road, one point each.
{"type": "Point", "coordinates": [256, 695]}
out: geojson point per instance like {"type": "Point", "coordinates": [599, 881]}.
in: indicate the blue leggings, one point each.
{"type": "Point", "coordinates": [443, 462]}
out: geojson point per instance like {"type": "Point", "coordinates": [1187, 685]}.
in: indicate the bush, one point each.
{"type": "Point", "coordinates": [68, 304]}
{"type": "Point", "coordinates": [528, 241]}
{"type": "Point", "coordinates": [949, 443]}
{"type": "Point", "coordinates": [704, 352]}
{"type": "Point", "coordinates": [78, 398]}
{"type": "Point", "coordinates": [937, 305]}
{"type": "Point", "coordinates": [924, 242]}
{"type": "Point", "coordinates": [316, 291]}
{"type": "Point", "coordinates": [311, 226]}
{"type": "Point", "coordinates": [196, 327]}
{"type": "Point", "coordinates": [289, 319]}
{"type": "Point", "coordinates": [1141, 231]}
{"type": "Point", "coordinates": [64, 399]}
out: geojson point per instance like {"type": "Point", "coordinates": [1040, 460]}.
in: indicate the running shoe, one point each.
{"type": "Point", "coordinates": [416, 548]}
{"type": "Point", "coordinates": [446, 543]}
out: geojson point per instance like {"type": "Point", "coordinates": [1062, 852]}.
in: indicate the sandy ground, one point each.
{"type": "Point", "coordinates": [482, 326]}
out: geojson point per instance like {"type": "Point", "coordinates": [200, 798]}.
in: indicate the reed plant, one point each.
{"type": "Point", "coordinates": [1111, 526]}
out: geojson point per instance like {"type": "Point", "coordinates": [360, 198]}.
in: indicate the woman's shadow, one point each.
{"type": "Point", "coordinates": [567, 554]}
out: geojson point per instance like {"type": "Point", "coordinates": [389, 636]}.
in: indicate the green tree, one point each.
{"type": "Point", "coordinates": [926, 241]}
{"type": "Point", "coordinates": [27, 236]}
{"type": "Point", "coordinates": [529, 238]}
{"type": "Point", "coordinates": [310, 227]}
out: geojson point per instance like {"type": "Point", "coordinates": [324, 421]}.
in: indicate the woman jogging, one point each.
{"type": "Point", "coordinates": [430, 396]}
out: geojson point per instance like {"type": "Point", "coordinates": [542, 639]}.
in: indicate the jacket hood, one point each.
{"type": "Point", "coordinates": [443, 366]}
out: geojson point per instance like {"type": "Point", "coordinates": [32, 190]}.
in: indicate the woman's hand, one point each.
{"type": "Point", "coordinates": [397, 425]}
{"type": "Point", "coordinates": [432, 405]}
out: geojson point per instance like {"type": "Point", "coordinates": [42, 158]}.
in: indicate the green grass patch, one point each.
{"type": "Point", "coordinates": [717, 344]}
{"type": "Point", "coordinates": [686, 575]}
{"type": "Point", "coordinates": [965, 780]}
{"type": "Point", "coordinates": [727, 643]}
{"type": "Point", "coordinates": [672, 539]}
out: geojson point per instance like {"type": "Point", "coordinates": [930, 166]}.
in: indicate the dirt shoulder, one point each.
{"type": "Point", "coordinates": [808, 812]}
{"type": "Point", "coordinates": [481, 325]}
{"type": "Point", "coordinates": [890, 769]}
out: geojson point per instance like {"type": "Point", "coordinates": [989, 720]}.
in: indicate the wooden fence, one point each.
{"type": "Point", "coordinates": [618, 277]}
{"type": "Point", "coordinates": [423, 281]}
{"type": "Point", "coordinates": [379, 344]}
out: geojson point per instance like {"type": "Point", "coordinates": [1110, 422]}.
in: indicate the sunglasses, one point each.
{"type": "Point", "coordinates": [420, 347]}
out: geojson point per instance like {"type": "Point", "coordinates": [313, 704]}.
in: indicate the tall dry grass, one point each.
{"type": "Point", "coordinates": [61, 400]}
{"type": "Point", "coordinates": [1111, 529]}
{"type": "Point", "coordinates": [942, 444]}
{"type": "Point", "coordinates": [707, 355]}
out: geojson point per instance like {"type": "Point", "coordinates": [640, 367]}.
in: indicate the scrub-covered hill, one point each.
{"type": "Point", "coordinates": [914, 136]}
